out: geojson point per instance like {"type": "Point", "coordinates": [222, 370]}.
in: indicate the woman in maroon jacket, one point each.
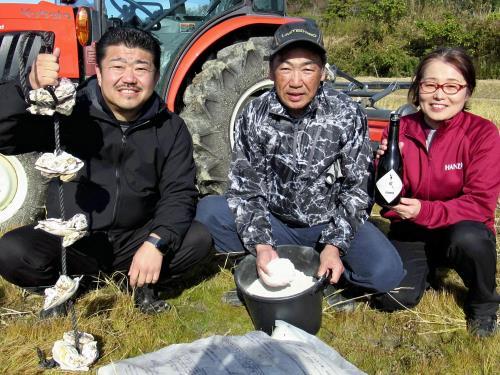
{"type": "Point", "coordinates": [450, 187]}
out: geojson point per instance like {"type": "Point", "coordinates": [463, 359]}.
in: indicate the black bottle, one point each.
{"type": "Point", "coordinates": [389, 177]}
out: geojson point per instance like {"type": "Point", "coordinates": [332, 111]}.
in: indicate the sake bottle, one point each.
{"type": "Point", "coordinates": [389, 176]}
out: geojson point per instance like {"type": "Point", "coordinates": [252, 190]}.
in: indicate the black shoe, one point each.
{"type": "Point", "coordinates": [337, 301]}
{"type": "Point", "coordinates": [233, 298]}
{"type": "Point", "coordinates": [483, 326]}
{"type": "Point", "coordinates": [146, 300]}
{"type": "Point", "coordinates": [54, 312]}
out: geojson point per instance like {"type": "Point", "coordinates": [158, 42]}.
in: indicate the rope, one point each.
{"type": "Point", "coordinates": [47, 43]}
{"type": "Point", "coordinates": [74, 323]}
{"type": "Point", "coordinates": [22, 66]}
{"type": "Point", "coordinates": [64, 266]}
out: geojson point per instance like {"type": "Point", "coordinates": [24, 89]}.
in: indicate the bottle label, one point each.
{"type": "Point", "coordinates": [389, 186]}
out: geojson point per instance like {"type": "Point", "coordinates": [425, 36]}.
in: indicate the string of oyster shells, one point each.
{"type": "Point", "coordinates": [43, 103]}
{"type": "Point", "coordinates": [71, 353]}
{"type": "Point", "coordinates": [65, 166]}
{"type": "Point", "coordinates": [71, 230]}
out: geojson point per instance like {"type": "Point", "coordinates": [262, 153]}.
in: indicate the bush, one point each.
{"type": "Point", "coordinates": [386, 60]}
{"type": "Point", "coordinates": [387, 12]}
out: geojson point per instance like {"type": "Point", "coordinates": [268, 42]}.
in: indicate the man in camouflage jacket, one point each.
{"type": "Point", "coordinates": [299, 172]}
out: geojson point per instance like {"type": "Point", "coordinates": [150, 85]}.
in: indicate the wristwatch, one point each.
{"type": "Point", "coordinates": [160, 244]}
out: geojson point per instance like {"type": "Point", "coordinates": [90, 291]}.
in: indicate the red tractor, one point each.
{"type": "Point", "coordinates": [212, 64]}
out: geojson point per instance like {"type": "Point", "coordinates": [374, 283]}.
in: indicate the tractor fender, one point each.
{"type": "Point", "coordinates": [205, 41]}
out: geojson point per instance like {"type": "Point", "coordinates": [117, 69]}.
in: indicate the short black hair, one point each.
{"type": "Point", "coordinates": [130, 38]}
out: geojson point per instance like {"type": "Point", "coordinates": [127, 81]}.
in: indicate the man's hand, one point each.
{"type": "Point", "coordinates": [45, 70]}
{"type": "Point", "coordinates": [146, 265]}
{"type": "Point", "coordinates": [265, 253]}
{"type": "Point", "coordinates": [382, 148]}
{"type": "Point", "coordinates": [330, 261]}
{"type": "Point", "coordinates": [408, 208]}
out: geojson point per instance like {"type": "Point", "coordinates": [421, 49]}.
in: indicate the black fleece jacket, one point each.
{"type": "Point", "coordinates": [144, 175]}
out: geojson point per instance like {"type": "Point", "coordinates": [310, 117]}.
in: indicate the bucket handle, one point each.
{"type": "Point", "coordinates": [321, 283]}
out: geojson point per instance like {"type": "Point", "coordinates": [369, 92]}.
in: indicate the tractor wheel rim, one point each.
{"type": "Point", "coordinates": [249, 94]}
{"type": "Point", "coordinates": [13, 186]}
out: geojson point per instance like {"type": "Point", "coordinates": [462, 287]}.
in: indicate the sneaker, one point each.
{"type": "Point", "coordinates": [146, 300]}
{"type": "Point", "coordinates": [233, 298]}
{"type": "Point", "coordinates": [337, 301]}
{"type": "Point", "coordinates": [483, 326]}
{"type": "Point", "coordinates": [54, 312]}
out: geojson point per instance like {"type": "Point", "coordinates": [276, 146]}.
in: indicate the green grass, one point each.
{"type": "Point", "coordinates": [430, 339]}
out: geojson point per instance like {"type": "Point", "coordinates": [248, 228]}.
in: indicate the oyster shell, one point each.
{"type": "Point", "coordinates": [68, 358]}
{"type": "Point", "coordinates": [44, 102]}
{"type": "Point", "coordinates": [71, 230]}
{"type": "Point", "coordinates": [63, 290]}
{"type": "Point", "coordinates": [65, 166]}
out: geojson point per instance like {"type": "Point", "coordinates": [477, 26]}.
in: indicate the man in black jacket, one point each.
{"type": "Point", "coordinates": [137, 187]}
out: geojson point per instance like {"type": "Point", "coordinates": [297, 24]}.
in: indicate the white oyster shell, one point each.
{"type": "Point", "coordinates": [64, 289]}
{"type": "Point", "coordinates": [64, 165]}
{"type": "Point", "coordinates": [44, 102]}
{"type": "Point", "coordinates": [71, 230]}
{"type": "Point", "coordinates": [68, 358]}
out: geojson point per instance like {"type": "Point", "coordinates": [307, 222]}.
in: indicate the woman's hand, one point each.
{"type": "Point", "coordinates": [382, 147]}
{"type": "Point", "coordinates": [408, 208]}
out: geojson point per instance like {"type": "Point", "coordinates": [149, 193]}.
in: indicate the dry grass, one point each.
{"type": "Point", "coordinates": [430, 339]}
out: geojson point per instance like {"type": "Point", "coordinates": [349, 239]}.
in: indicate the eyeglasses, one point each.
{"type": "Point", "coordinates": [427, 87]}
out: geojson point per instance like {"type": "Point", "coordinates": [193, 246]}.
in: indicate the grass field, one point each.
{"type": "Point", "coordinates": [430, 339]}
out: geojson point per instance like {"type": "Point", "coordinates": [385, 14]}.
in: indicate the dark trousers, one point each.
{"type": "Point", "coordinates": [32, 258]}
{"type": "Point", "coordinates": [371, 261]}
{"type": "Point", "coordinates": [467, 247]}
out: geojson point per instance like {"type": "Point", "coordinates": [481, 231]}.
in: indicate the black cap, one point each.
{"type": "Point", "coordinates": [297, 32]}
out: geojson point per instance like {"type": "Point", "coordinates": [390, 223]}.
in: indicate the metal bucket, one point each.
{"type": "Point", "coordinates": [302, 310]}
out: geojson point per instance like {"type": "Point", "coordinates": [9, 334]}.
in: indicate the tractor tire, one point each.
{"type": "Point", "coordinates": [213, 102]}
{"type": "Point", "coordinates": [23, 191]}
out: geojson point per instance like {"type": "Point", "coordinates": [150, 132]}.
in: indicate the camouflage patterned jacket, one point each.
{"type": "Point", "coordinates": [280, 166]}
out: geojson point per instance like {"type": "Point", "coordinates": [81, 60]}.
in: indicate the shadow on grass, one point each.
{"type": "Point", "coordinates": [446, 279]}
{"type": "Point", "coordinates": [202, 272]}
{"type": "Point", "coordinates": [100, 305]}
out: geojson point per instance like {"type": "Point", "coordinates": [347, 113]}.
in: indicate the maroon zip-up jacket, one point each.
{"type": "Point", "coordinates": [458, 178]}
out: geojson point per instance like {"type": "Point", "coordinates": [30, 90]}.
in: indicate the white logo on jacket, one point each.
{"type": "Point", "coordinates": [453, 166]}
